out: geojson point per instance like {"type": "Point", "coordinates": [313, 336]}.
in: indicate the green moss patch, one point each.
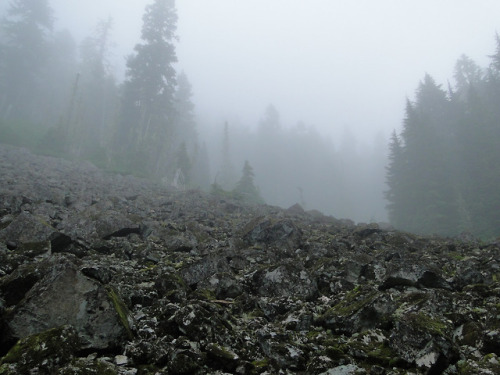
{"type": "Point", "coordinates": [48, 349]}
{"type": "Point", "coordinates": [426, 323]}
{"type": "Point", "coordinates": [121, 310]}
{"type": "Point", "coordinates": [354, 301]}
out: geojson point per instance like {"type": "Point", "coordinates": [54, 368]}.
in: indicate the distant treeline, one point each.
{"type": "Point", "coordinates": [444, 169]}
{"type": "Point", "coordinates": [61, 98]}
{"type": "Point", "coordinates": [64, 99]}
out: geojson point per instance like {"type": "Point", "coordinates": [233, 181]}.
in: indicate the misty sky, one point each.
{"type": "Point", "coordinates": [330, 63]}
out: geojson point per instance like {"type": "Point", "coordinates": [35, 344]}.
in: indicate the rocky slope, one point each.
{"type": "Point", "coordinates": [105, 274]}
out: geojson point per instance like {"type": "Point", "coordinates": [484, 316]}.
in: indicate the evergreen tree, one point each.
{"type": "Point", "coordinates": [97, 92]}
{"type": "Point", "coordinates": [395, 194]}
{"type": "Point", "coordinates": [147, 115]}
{"type": "Point", "coordinates": [467, 74]}
{"type": "Point", "coordinates": [58, 77]}
{"type": "Point", "coordinates": [444, 170]}
{"type": "Point", "coordinates": [26, 30]}
{"type": "Point", "coordinates": [226, 175]}
{"type": "Point", "coordinates": [183, 164]}
{"type": "Point", "coordinates": [495, 58]}
{"type": "Point", "coordinates": [185, 124]}
{"type": "Point", "coordinates": [429, 204]}
{"type": "Point", "coordinates": [200, 175]}
{"type": "Point", "coordinates": [245, 188]}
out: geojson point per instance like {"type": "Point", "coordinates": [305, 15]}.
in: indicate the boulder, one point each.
{"type": "Point", "coordinates": [60, 294]}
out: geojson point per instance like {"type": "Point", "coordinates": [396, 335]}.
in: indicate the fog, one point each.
{"type": "Point", "coordinates": [337, 74]}
{"type": "Point", "coordinates": [333, 64]}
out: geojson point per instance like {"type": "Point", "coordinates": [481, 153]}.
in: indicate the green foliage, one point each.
{"type": "Point", "coordinates": [246, 189]}
{"type": "Point", "coordinates": [121, 310]}
{"type": "Point", "coordinates": [444, 167]}
{"type": "Point", "coordinates": [40, 349]}
{"type": "Point", "coordinates": [146, 119]}
{"type": "Point", "coordinates": [25, 53]}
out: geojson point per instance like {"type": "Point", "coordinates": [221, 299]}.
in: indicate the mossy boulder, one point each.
{"type": "Point", "coordinates": [45, 351]}
{"type": "Point", "coordinates": [222, 357]}
{"type": "Point", "coordinates": [63, 295]}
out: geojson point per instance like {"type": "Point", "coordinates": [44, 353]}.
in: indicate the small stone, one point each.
{"type": "Point", "coordinates": [121, 360]}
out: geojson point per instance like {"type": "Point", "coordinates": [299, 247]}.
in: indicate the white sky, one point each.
{"type": "Point", "coordinates": [330, 63]}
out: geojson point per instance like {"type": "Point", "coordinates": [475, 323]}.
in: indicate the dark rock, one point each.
{"type": "Point", "coordinates": [171, 286]}
{"type": "Point", "coordinates": [64, 296]}
{"type": "Point", "coordinates": [101, 274]}
{"type": "Point", "coordinates": [366, 231]}
{"type": "Point", "coordinates": [11, 245]}
{"type": "Point", "coordinates": [14, 287]}
{"type": "Point", "coordinates": [181, 243]}
{"type": "Point", "coordinates": [59, 242]}
{"type": "Point", "coordinates": [468, 277]}
{"type": "Point", "coordinates": [287, 280]}
{"type": "Point", "coordinates": [296, 209]}
{"type": "Point", "coordinates": [123, 232]}
{"type": "Point", "coordinates": [265, 231]}
{"type": "Point", "coordinates": [45, 351]}
{"type": "Point", "coordinates": [491, 342]}
{"type": "Point", "coordinates": [134, 278]}
{"type": "Point", "coordinates": [201, 270]}
{"type": "Point", "coordinates": [221, 357]}
{"type": "Point", "coordinates": [25, 227]}
{"type": "Point", "coordinates": [414, 276]}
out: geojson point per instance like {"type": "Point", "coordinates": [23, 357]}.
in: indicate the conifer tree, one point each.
{"type": "Point", "coordinates": [147, 115]}
{"type": "Point", "coordinates": [185, 124]}
{"type": "Point", "coordinates": [97, 92]}
{"type": "Point", "coordinates": [444, 170]}
{"type": "Point", "coordinates": [226, 176]}
{"type": "Point", "coordinates": [395, 195]}
{"type": "Point", "coordinates": [26, 29]}
{"type": "Point", "coordinates": [425, 180]}
{"type": "Point", "coordinates": [245, 188]}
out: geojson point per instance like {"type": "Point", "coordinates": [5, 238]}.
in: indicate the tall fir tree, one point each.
{"type": "Point", "coordinates": [185, 123]}
{"type": "Point", "coordinates": [97, 92]}
{"type": "Point", "coordinates": [147, 115]}
{"type": "Point", "coordinates": [444, 170]}
{"type": "Point", "coordinates": [26, 29]}
{"type": "Point", "coordinates": [395, 194]}
{"type": "Point", "coordinates": [245, 188]}
{"type": "Point", "coordinates": [225, 176]}
{"type": "Point", "coordinates": [425, 174]}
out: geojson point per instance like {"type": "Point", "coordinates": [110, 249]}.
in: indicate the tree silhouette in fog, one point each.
{"type": "Point", "coordinates": [245, 188]}
{"type": "Point", "coordinates": [444, 169]}
{"type": "Point", "coordinates": [147, 115]}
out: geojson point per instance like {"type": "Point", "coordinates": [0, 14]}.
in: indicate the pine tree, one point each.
{"type": "Point", "coordinates": [395, 194]}
{"type": "Point", "coordinates": [245, 188]}
{"type": "Point", "coordinates": [226, 175]}
{"type": "Point", "coordinates": [495, 58]}
{"type": "Point", "coordinates": [26, 30]}
{"type": "Point", "coordinates": [147, 114]}
{"type": "Point", "coordinates": [183, 164]}
{"type": "Point", "coordinates": [467, 74]}
{"type": "Point", "coordinates": [425, 174]}
{"type": "Point", "coordinates": [97, 92]}
{"type": "Point", "coordinates": [185, 124]}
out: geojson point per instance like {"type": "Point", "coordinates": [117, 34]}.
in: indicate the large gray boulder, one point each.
{"type": "Point", "coordinates": [56, 293]}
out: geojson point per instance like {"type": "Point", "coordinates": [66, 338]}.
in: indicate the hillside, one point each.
{"type": "Point", "coordinates": [110, 274]}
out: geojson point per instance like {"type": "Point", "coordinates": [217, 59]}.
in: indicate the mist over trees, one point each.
{"type": "Point", "coordinates": [439, 174]}
{"type": "Point", "coordinates": [296, 164]}
{"type": "Point", "coordinates": [444, 170]}
{"type": "Point", "coordinates": [26, 29]}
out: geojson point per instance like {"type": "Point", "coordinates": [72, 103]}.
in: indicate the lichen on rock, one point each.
{"type": "Point", "coordinates": [109, 274]}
